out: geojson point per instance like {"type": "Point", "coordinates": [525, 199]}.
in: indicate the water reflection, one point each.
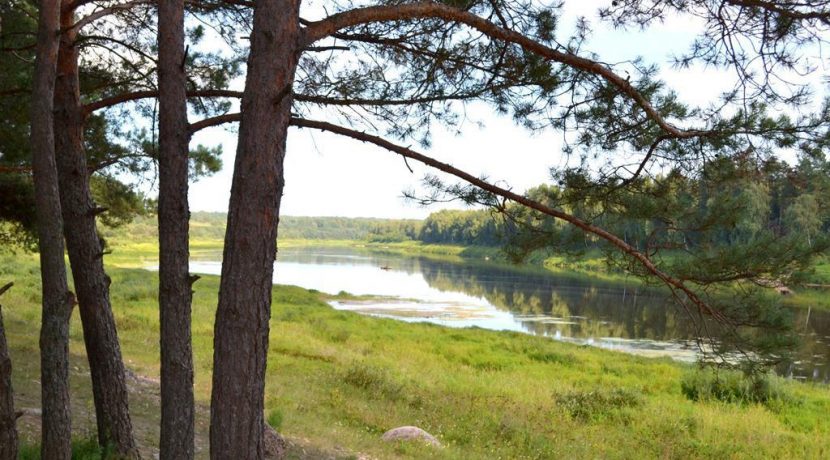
{"type": "Point", "coordinates": [571, 308]}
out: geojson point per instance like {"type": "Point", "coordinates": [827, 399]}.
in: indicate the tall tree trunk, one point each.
{"type": "Point", "coordinates": [109, 388]}
{"type": "Point", "coordinates": [174, 285]}
{"type": "Point", "coordinates": [8, 420]}
{"type": "Point", "coordinates": [57, 300]}
{"type": "Point", "coordinates": [241, 328]}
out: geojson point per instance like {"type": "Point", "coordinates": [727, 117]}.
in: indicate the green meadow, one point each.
{"type": "Point", "coordinates": [338, 380]}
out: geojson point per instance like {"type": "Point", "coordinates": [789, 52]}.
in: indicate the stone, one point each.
{"type": "Point", "coordinates": [783, 290]}
{"type": "Point", "coordinates": [30, 411]}
{"type": "Point", "coordinates": [410, 433]}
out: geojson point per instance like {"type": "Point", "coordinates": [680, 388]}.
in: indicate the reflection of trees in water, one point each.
{"type": "Point", "coordinates": [814, 350]}
{"type": "Point", "coordinates": [610, 309]}
{"type": "Point", "coordinates": [349, 257]}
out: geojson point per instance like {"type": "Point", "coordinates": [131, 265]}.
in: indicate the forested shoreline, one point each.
{"type": "Point", "coordinates": [748, 203]}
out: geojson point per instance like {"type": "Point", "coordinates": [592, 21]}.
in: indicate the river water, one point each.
{"type": "Point", "coordinates": [571, 308]}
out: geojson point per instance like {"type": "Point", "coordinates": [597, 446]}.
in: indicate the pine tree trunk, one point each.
{"type": "Point", "coordinates": [174, 286]}
{"type": "Point", "coordinates": [8, 420]}
{"type": "Point", "coordinates": [241, 329]}
{"type": "Point", "coordinates": [57, 300]}
{"type": "Point", "coordinates": [109, 388]}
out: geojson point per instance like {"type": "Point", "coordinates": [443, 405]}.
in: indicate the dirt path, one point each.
{"type": "Point", "coordinates": [145, 410]}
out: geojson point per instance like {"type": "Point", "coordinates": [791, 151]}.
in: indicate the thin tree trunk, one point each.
{"type": "Point", "coordinates": [57, 300]}
{"type": "Point", "coordinates": [241, 328]}
{"type": "Point", "coordinates": [8, 427]}
{"type": "Point", "coordinates": [174, 286]}
{"type": "Point", "coordinates": [109, 388]}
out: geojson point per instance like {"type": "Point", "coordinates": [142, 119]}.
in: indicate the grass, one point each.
{"type": "Point", "coordinates": [818, 299]}
{"type": "Point", "coordinates": [823, 272]}
{"type": "Point", "coordinates": [82, 449]}
{"type": "Point", "coordinates": [337, 380]}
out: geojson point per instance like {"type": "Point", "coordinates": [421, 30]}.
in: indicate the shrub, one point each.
{"type": "Point", "coordinates": [597, 404]}
{"type": "Point", "coordinates": [551, 357]}
{"type": "Point", "coordinates": [372, 378]}
{"type": "Point", "coordinates": [732, 387]}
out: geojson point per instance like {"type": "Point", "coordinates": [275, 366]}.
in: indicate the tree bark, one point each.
{"type": "Point", "coordinates": [57, 301]}
{"type": "Point", "coordinates": [109, 388]}
{"type": "Point", "coordinates": [241, 328]}
{"type": "Point", "coordinates": [8, 427]}
{"type": "Point", "coordinates": [174, 285]}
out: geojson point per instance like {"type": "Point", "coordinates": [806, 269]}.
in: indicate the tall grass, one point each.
{"type": "Point", "coordinates": [337, 380]}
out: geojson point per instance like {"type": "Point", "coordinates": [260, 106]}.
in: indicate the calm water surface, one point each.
{"type": "Point", "coordinates": [494, 296]}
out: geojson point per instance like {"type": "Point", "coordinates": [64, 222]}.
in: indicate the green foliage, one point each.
{"type": "Point", "coordinates": [82, 449]}
{"type": "Point", "coordinates": [119, 154]}
{"type": "Point", "coordinates": [804, 217]}
{"type": "Point", "coordinates": [275, 419]}
{"type": "Point", "coordinates": [123, 203]}
{"type": "Point", "coordinates": [373, 379]}
{"type": "Point", "coordinates": [205, 161]}
{"type": "Point", "coordinates": [474, 228]}
{"type": "Point", "coordinates": [733, 387]}
{"type": "Point", "coordinates": [395, 231]}
{"type": "Point", "coordinates": [343, 228]}
{"type": "Point", "coordinates": [17, 19]}
{"type": "Point", "coordinates": [597, 404]}
{"type": "Point", "coordinates": [211, 225]}
{"type": "Point", "coordinates": [106, 155]}
{"type": "Point", "coordinates": [17, 217]}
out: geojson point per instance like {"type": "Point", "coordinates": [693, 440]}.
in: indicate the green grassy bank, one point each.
{"type": "Point", "coordinates": [338, 380]}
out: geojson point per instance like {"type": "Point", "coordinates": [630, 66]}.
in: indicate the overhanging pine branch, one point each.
{"type": "Point", "coordinates": [148, 94]}
{"type": "Point", "coordinates": [310, 98]}
{"type": "Point", "coordinates": [406, 152]}
{"type": "Point", "coordinates": [96, 15]}
{"type": "Point", "coordinates": [214, 121]}
{"type": "Point", "coordinates": [789, 12]}
{"type": "Point", "coordinates": [318, 30]}
{"type": "Point", "coordinates": [642, 259]}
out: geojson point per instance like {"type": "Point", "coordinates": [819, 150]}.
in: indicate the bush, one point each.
{"type": "Point", "coordinates": [597, 404]}
{"type": "Point", "coordinates": [732, 387]}
{"type": "Point", "coordinates": [371, 378]}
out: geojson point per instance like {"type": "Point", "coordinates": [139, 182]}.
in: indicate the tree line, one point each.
{"type": "Point", "coordinates": [211, 226]}
{"type": "Point", "coordinates": [731, 204]}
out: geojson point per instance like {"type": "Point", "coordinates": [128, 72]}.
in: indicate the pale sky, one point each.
{"type": "Point", "coordinates": [329, 175]}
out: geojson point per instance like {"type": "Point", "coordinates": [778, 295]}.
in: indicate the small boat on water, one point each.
{"type": "Point", "coordinates": [385, 267]}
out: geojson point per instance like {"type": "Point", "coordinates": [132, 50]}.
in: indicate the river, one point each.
{"type": "Point", "coordinates": [572, 308]}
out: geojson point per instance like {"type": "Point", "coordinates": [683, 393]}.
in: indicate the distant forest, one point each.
{"type": "Point", "coordinates": [211, 225]}
{"type": "Point", "coordinates": [754, 204]}
{"type": "Point", "coordinates": [474, 227]}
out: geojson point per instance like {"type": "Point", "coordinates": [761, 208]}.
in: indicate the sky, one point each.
{"type": "Point", "coordinates": [329, 175]}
